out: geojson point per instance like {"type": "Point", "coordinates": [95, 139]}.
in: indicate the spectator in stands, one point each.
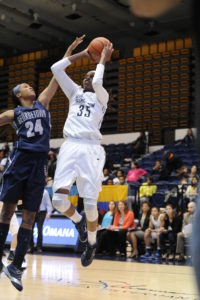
{"type": "Point", "coordinates": [157, 169]}
{"type": "Point", "coordinates": [191, 191]}
{"type": "Point", "coordinates": [169, 231]}
{"type": "Point", "coordinates": [182, 186]}
{"type": "Point", "coordinates": [172, 164]}
{"type": "Point", "coordinates": [183, 171]}
{"type": "Point", "coordinates": [156, 223]}
{"type": "Point", "coordinates": [193, 173]}
{"type": "Point", "coordinates": [122, 180]}
{"type": "Point", "coordinates": [105, 175]}
{"type": "Point", "coordinates": [118, 232]}
{"type": "Point", "coordinates": [143, 224]}
{"type": "Point", "coordinates": [4, 161]}
{"type": "Point", "coordinates": [135, 173]}
{"type": "Point", "coordinates": [147, 189]}
{"type": "Point", "coordinates": [139, 145]}
{"type": "Point", "coordinates": [6, 149]}
{"type": "Point", "coordinates": [189, 138]}
{"type": "Point", "coordinates": [106, 222]}
{"type": "Point", "coordinates": [43, 214]}
{"type": "Point", "coordinates": [52, 164]}
{"type": "Point", "coordinates": [109, 181]}
{"type": "Point", "coordinates": [1, 155]}
{"type": "Point", "coordinates": [186, 232]}
{"type": "Point", "coordinates": [119, 174]}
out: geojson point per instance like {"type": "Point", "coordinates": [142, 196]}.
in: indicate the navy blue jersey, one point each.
{"type": "Point", "coordinates": [32, 127]}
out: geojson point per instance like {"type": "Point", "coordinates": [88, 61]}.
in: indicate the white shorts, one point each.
{"type": "Point", "coordinates": [81, 161]}
{"type": "Point", "coordinates": [14, 225]}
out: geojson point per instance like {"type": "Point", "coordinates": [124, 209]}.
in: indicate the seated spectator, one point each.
{"type": "Point", "coordinates": [193, 173]}
{"type": "Point", "coordinates": [6, 149]}
{"type": "Point", "coordinates": [191, 191]}
{"type": "Point", "coordinates": [139, 145]}
{"type": "Point", "coordinates": [119, 174]}
{"type": "Point", "coordinates": [189, 138]}
{"type": "Point", "coordinates": [147, 189]}
{"type": "Point", "coordinates": [157, 169]}
{"type": "Point", "coordinates": [152, 233]}
{"type": "Point", "coordinates": [52, 164]}
{"type": "Point", "coordinates": [106, 222]}
{"type": "Point", "coordinates": [169, 231]}
{"type": "Point", "coordinates": [122, 180]}
{"type": "Point", "coordinates": [4, 161]}
{"type": "Point", "coordinates": [105, 176]}
{"type": "Point", "coordinates": [143, 224]}
{"type": "Point", "coordinates": [1, 155]}
{"type": "Point", "coordinates": [135, 173]}
{"type": "Point", "coordinates": [182, 186]}
{"type": "Point", "coordinates": [183, 171]}
{"type": "Point", "coordinates": [109, 181]}
{"type": "Point", "coordinates": [186, 232]}
{"type": "Point", "coordinates": [172, 164]}
{"type": "Point", "coordinates": [118, 232]}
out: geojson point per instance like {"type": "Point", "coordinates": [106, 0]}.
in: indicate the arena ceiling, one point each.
{"type": "Point", "coordinates": [27, 25]}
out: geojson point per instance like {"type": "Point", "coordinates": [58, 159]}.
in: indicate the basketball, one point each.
{"type": "Point", "coordinates": [96, 46]}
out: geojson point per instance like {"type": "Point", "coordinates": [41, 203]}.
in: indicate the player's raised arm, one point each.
{"type": "Point", "coordinates": [7, 117]}
{"type": "Point", "coordinates": [48, 93]}
{"type": "Point", "coordinates": [68, 86]}
{"type": "Point", "coordinates": [97, 82]}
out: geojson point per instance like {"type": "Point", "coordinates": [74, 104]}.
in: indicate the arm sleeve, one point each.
{"type": "Point", "coordinates": [68, 86]}
{"type": "Point", "coordinates": [97, 84]}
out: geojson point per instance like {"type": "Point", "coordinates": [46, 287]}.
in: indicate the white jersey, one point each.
{"type": "Point", "coordinates": [86, 109]}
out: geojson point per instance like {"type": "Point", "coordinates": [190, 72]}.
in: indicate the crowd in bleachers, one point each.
{"type": "Point", "coordinates": [156, 220]}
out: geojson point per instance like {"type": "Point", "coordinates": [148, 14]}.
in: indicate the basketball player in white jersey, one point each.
{"type": "Point", "coordinates": [81, 157]}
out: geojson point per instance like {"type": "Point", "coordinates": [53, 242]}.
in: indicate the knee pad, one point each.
{"type": "Point", "coordinates": [90, 207]}
{"type": "Point", "coordinates": [61, 202]}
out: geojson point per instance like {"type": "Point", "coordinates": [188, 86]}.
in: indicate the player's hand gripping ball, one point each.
{"type": "Point", "coordinates": [96, 47]}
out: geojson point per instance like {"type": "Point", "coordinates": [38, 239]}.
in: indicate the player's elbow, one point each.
{"type": "Point", "coordinates": [55, 68]}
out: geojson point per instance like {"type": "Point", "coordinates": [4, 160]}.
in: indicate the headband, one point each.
{"type": "Point", "coordinates": [16, 89]}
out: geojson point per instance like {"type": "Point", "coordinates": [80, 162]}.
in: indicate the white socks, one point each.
{"type": "Point", "coordinates": [92, 237]}
{"type": "Point", "coordinates": [76, 217]}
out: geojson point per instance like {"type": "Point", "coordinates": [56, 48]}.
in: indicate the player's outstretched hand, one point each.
{"type": "Point", "coordinates": [107, 52]}
{"type": "Point", "coordinates": [75, 44]}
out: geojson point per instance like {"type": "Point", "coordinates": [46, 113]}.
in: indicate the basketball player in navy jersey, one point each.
{"type": "Point", "coordinates": [24, 177]}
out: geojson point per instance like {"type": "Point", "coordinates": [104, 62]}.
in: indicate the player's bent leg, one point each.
{"type": "Point", "coordinates": [90, 206]}
{"type": "Point", "coordinates": [7, 212]}
{"type": "Point", "coordinates": [62, 204]}
{"type": "Point", "coordinates": [13, 271]}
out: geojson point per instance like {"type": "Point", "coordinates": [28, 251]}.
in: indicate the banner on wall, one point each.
{"type": "Point", "coordinates": [56, 232]}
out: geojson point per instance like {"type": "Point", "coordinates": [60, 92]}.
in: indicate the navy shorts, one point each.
{"type": "Point", "coordinates": [24, 179]}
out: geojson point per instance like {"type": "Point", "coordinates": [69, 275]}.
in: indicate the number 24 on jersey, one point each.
{"type": "Point", "coordinates": [34, 128]}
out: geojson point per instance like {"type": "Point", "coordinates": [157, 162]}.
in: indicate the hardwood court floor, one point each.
{"type": "Point", "coordinates": [63, 278]}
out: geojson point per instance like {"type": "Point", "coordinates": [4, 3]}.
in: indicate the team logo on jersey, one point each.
{"type": "Point", "coordinates": [79, 99]}
{"type": "Point", "coordinates": [91, 104]}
